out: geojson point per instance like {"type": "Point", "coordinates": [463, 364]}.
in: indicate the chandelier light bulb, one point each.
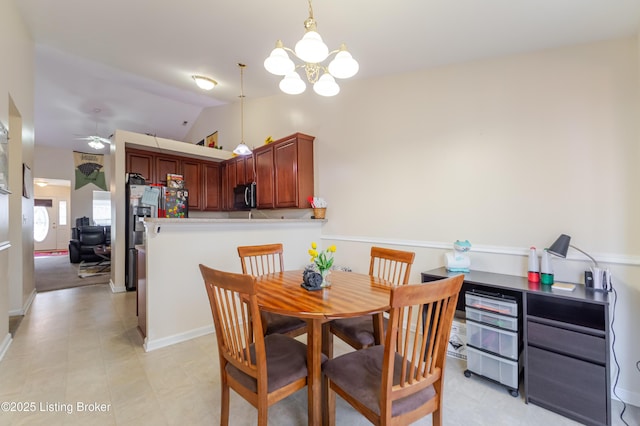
{"type": "Point", "coordinates": [326, 86]}
{"type": "Point", "coordinates": [311, 48]}
{"type": "Point", "coordinates": [343, 65]}
{"type": "Point", "coordinates": [278, 62]}
{"type": "Point", "coordinates": [292, 84]}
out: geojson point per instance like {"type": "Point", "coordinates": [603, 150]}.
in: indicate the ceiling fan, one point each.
{"type": "Point", "coordinates": [95, 141]}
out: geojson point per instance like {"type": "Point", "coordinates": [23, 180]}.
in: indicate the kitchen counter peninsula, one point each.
{"type": "Point", "coordinates": [172, 300]}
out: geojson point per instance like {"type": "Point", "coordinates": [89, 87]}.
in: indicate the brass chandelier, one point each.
{"type": "Point", "coordinates": [312, 51]}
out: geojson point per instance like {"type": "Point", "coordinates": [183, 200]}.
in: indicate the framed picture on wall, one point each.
{"type": "Point", "coordinates": [212, 140]}
{"type": "Point", "coordinates": [27, 182]}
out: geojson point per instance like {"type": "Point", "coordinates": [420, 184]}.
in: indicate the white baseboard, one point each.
{"type": "Point", "coordinates": [29, 301]}
{"type": "Point", "coordinates": [116, 288]}
{"type": "Point", "coordinates": [150, 345]}
{"type": "Point", "coordinates": [4, 346]}
{"type": "Point", "coordinates": [25, 307]}
{"type": "Point", "coordinates": [629, 397]}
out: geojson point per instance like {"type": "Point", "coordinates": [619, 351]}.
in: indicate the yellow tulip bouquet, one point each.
{"type": "Point", "coordinates": [323, 259]}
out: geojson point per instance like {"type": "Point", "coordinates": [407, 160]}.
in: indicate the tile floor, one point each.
{"type": "Point", "coordinates": [80, 346]}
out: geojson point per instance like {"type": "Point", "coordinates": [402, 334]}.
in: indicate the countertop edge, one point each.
{"type": "Point", "coordinates": [199, 221]}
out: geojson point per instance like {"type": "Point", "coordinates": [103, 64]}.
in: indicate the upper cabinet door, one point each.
{"type": "Point", "coordinates": [192, 174]}
{"type": "Point", "coordinates": [165, 166]}
{"type": "Point", "coordinates": [285, 160]}
{"type": "Point", "coordinates": [212, 186]}
{"type": "Point", "coordinates": [142, 163]}
{"type": "Point", "coordinates": [264, 177]}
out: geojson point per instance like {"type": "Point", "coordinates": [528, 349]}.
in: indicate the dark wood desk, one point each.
{"type": "Point", "coordinates": [566, 343]}
{"type": "Point", "coordinates": [350, 295]}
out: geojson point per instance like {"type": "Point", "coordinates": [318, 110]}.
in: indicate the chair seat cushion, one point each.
{"type": "Point", "coordinates": [286, 363]}
{"type": "Point", "coordinates": [359, 373]}
{"type": "Point", "coordinates": [276, 323]}
{"type": "Point", "coordinates": [359, 329]}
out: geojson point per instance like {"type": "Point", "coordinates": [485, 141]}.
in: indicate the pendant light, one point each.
{"type": "Point", "coordinates": [242, 148]}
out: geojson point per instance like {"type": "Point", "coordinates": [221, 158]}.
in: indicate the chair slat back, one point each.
{"type": "Point", "coordinates": [391, 265]}
{"type": "Point", "coordinates": [234, 306]}
{"type": "Point", "coordinates": [261, 259]}
{"type": "Point", "coordinates": [417, 337]}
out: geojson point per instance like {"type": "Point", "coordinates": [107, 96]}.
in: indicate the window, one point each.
{"type": "Point", "coordinates": [102, 208]}
{"type": "Point", "coordinates": [62, 213]}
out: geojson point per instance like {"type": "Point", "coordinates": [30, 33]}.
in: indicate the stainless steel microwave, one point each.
{"type": "Point", "coordinates": [244, 197]}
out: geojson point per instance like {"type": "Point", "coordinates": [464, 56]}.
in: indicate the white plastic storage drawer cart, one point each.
{"type": "Point", "coordinates": [492, 338]}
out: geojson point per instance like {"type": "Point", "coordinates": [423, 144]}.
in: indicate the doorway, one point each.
{"type": "Point", "coordinates": [51, 207]}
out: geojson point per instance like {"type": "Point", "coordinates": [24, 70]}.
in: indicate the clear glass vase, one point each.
{"type": "Point", "coordinates": [325, 278]}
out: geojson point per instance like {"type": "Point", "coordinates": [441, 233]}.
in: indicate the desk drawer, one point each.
{"type": "Point", "coordinates": [493, 367]}
{"type": "Point", "coordinates": [568, 386]}
{"type": "Point", "coordinates": [491, 304]}
{"type": "Point", "coordinates": [568, 342]}
{"type": "Point", "coordinates": [490, 318]}
{"type": "Point", "coordinates": [501, 342]}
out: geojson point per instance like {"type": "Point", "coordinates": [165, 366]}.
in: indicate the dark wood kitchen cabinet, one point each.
{"type": "Point", "coordinates": [152, 166]}
{"type": "Point", "coordinates": [166, 165]}
{"type": "Point", "coordinates": [202, 178]}
{"type": "Point", "coordinates": [263, 158]}
{"type": "Point", "coordinates": [284, 172]}
{"type": "Point", "coordinates": [211, 187]}
{"type": "Point", "coordinates": [142, 163]}
{"type": "Point", "coordinates": [193, 177]}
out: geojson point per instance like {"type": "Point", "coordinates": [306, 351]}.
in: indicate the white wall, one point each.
{"type": "Point", "coordinates": [55, 163]}
{"type": "Point", "coordinates": [16, 113]}
{"type": "Point", "coordinates": [507, 153]}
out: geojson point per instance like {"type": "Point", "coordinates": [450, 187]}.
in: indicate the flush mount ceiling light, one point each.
{"type": "Point", "coordinates": [312, 51]}
{"type": "Point", "coordinates": [242, 149]}
{"type": "Point", "coordinates": [204, 83]}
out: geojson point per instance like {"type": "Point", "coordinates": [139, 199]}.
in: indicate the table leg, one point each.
{"type": "Point", "coordinates": [314, 365]}
{"type": "Point", "coordinates": [378, 328]}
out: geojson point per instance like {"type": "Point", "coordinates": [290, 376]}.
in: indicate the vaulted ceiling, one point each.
{"type": "Point", "coordinates": [122, 64]}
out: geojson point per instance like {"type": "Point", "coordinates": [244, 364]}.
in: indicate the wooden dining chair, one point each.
{"type": "Point", "coordinates": [391, 265]}
{"type": "Point", "coordinates": [267, 259]}
{"type": "Point", "coordinates": [261, 369]}
{"type": "Point", "coordinates": [402, 380]}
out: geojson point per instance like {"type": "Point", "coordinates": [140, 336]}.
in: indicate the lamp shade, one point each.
{"type": "Point", "coordinates": [204, 83]}
{"type": "Point", "coordinates": [292, 84]}
{"type": "Point", "coordinates": [561, 246]}
{"type": "Point", "coordinates": [242, 149]}
{"type": "Point", "coordinates": [311, 48]}
{"type": "Point", "coordinates": [343, 65]}
{"type": "Point", "coordinates": [326, 86]}
{"type": "Point", "coordinates": [278, 62]}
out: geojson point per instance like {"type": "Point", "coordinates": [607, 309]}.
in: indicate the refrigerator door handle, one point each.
{"type": "Point", "coordinates": [246, 196]}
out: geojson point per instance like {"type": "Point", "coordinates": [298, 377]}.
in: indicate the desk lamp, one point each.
{"type": "Point", "coordinates": [561, 246]}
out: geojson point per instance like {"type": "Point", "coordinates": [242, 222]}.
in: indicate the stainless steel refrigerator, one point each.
{"type": "Point", "coordinates": [142, 201]}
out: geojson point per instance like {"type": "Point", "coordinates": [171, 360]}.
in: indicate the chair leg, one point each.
{"type": "Point", "coordinates": [436, 417]}
{"type": "Point", "coordinates": [328, 403]}
{"type": "Point", "coordinates": [263, 414]}
{"type": "Point", "coordinates": [224, 405]}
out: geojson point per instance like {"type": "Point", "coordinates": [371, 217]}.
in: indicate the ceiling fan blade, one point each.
{"type": "Point", "coordinates": [95, 138]}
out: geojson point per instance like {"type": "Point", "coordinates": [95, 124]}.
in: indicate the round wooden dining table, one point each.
{"type": "Point", "coordinates": [350, 295]}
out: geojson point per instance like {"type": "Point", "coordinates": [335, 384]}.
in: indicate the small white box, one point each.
{"type": "Point", "coordinates": [457, 347]}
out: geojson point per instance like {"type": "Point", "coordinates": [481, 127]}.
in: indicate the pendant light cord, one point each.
{"type": "Point", "coordinates": [241, 102]}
